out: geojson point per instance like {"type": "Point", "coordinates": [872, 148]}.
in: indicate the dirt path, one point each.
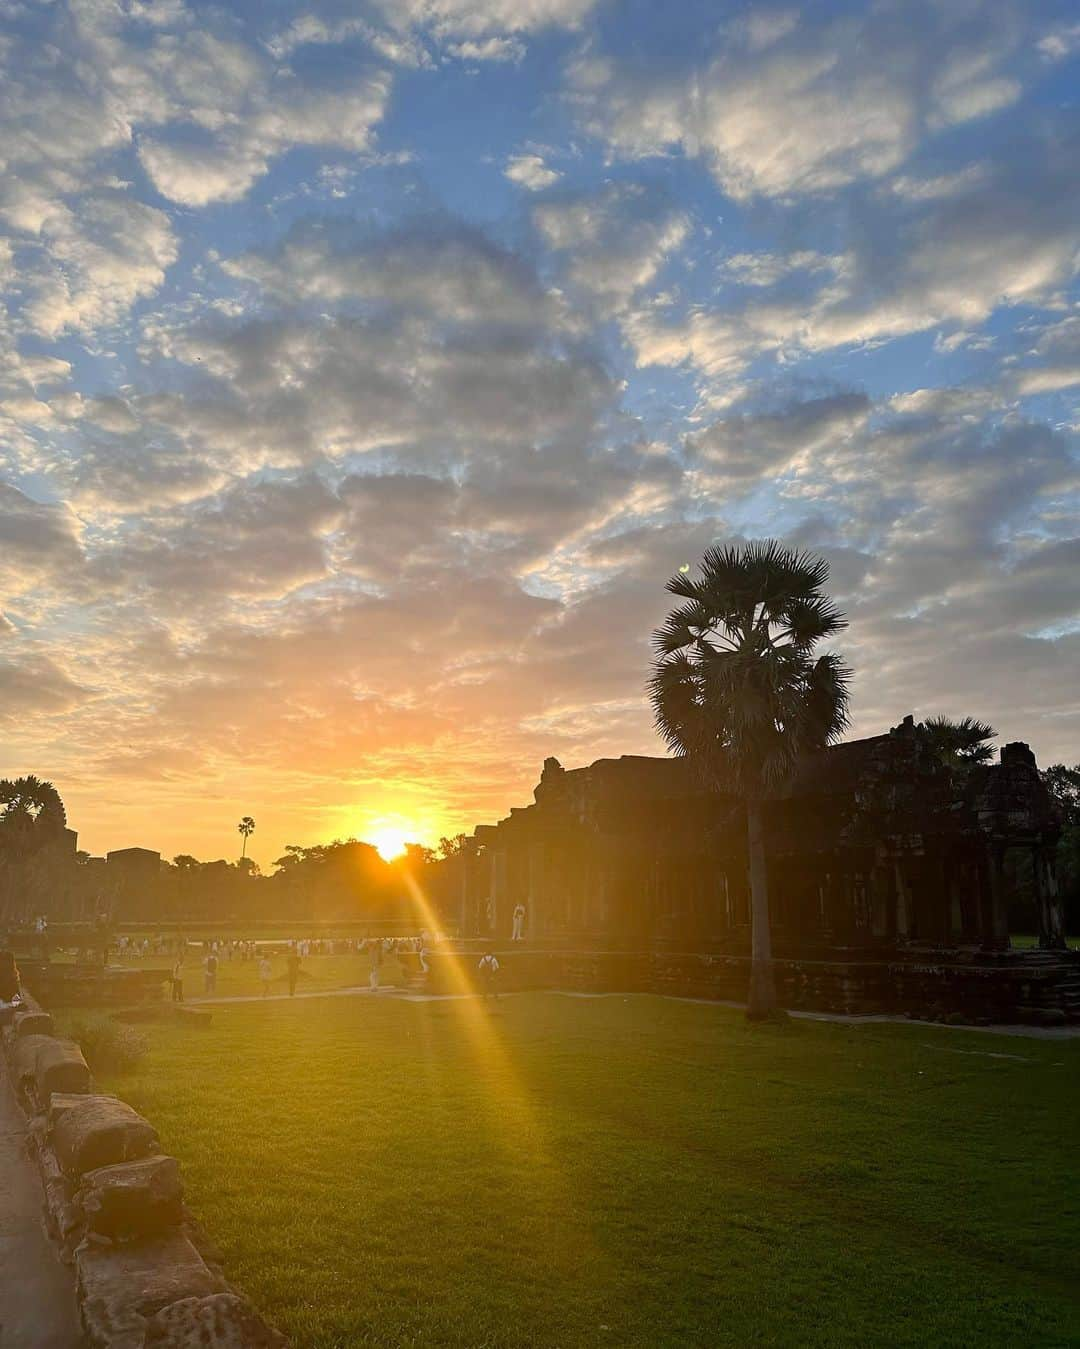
{"type": "Point", "coordinates": [407, 995]}
{"type": "Point", "coordinates": [37, 1293]}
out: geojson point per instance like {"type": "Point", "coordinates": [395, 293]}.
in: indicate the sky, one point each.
{"type": "Point", "coordinates": [366, 370]}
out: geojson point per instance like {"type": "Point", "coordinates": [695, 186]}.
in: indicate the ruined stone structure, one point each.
{"type": "Point", "coordinates": [875, 847]}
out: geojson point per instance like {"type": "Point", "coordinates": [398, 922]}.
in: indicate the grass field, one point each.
{"type": "Point", "coordinates": [550, 1170]}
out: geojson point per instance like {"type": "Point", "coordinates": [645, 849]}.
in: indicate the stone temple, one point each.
{"type": "Point", "coordinates": [887, 879]}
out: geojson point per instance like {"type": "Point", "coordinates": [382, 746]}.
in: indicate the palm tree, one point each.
{"type": "Point", "coordinates": [736, 688]}
{"type": "Point", "coordinates": [960, 744]}
{"type": "Point", "coordinates": [247, 828]}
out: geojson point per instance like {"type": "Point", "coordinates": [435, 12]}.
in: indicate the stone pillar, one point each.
{"type": "Point", "coordinates": [903, 910]}
{"type": "Point", "coordinates": [1051, 920]}
{"type": "Point", "coordinates": [465, 862]}
{"type": "Point", "coordinates": [879, 901]}
{"type": "Point", "coordinates": [995, 912]}
{"type": "Point", "coordinates": [497, 895]}
{"type": "Point", "coordinates": [535, 905]}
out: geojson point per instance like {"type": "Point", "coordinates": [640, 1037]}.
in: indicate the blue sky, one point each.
{"type": "Point", "coordinates": [366, 369]}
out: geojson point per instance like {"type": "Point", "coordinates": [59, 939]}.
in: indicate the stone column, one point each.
{"type": "Point", "coordinates": [903, 911]}
{"type": "Point", "coordinates": [879, 901]}
{"type": "Point", "coordinates": [535, 906]}
{"type": "Point", "coordinates": [995, 913]}
{"type": "Point", "coordinates": [1051, 920]}
{"type": "Point", "coordinates": [498, 889]}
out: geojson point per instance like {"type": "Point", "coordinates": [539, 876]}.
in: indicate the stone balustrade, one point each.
{"type": "Point", "coordinates": [146, 1275]}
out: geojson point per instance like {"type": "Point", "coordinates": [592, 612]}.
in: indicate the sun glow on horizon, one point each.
{"type": "Point", "coordinates": [389, 841]}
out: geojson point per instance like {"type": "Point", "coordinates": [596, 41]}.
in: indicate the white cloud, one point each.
{"type": "Point", "coordinates": [614, 241]}
{"type": "Point", "coordinates": [531, 172]}
{"type": "Point", "coordinates": [787, 108]}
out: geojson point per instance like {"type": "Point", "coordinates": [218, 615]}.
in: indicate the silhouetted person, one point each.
{"type": "Point", "coordinates": [489, 969]}
{"type": "Point", "coordinates": [375, 957]}
{"type": "Point", "coordinates": [210, 972]}
{"type": "Point", "coordinates": [292, 965]}
{"type": "Point", "coordinates": [519, 923]}
{"type": "Point", "coordinates": [265, 974]}
{"type": "Point", "coordinates": [178, 979]}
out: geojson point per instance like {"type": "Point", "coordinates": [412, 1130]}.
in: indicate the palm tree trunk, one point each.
{"type": "Point", "coordinates": [243, 850]}
{"type": "Point", "coordinates": [762, 981]}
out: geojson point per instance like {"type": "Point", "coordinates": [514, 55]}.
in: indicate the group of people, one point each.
{"type": "Point", "coordinates": [215, 952]}
{"type": "Point", "coordinates": [377, 949]}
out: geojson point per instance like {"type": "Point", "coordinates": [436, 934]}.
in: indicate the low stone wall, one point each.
{"type": "Point", "coordinates": [146, 1274]}
{"type": "Point", "coordinates": [1010, 987]}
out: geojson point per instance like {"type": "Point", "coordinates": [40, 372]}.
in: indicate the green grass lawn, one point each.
{"type": "Point", "coordinates": [241, 977]}
{"type": "Point", "coordinates": [552, 1170]}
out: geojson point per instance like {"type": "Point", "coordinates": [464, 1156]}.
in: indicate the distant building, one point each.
{"type": "Point", "coordinates": [132, 876]}
{"type": "Point", "coordinates": [874, 845]}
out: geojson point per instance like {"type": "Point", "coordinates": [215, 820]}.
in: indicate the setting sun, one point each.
{"type": "Point", "coordinates": [390, 841]}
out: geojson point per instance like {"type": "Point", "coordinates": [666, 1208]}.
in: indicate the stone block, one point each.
{"type": "Point", "coordinates": [198, 1017]}
{"type": "Point", "coordinates": [101, 1132]}
{"type": "Point", "coordinates": [130, 1199]}
{"type": "Point", "coordinates": [121, 1287]}
{"type": "Point", "coordinates": [59, 1066]}
{"type": "Point", "coordinates": [62, 1101]}
{"type": "Point", "coordinates": [32, 1023]}
{"type": "Point", "coordinates": [220, 1321]}
{"type": "Point", "coordinates": [24, 1056]}
{"type": "Point", "coordinates": [62, 1218]}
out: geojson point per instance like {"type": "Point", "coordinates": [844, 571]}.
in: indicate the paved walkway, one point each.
{"type": "Point", "coordinates": [408, 995]}
{"type": "Point", "coordinates": [37, 1292]}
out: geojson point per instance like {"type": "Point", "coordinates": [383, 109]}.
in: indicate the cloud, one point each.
{"type": "Point", "coordinates": [36, 686]}
{"type": "Point", "coordinates": [38, 542]}
{"type": "Point", "coordinates": [1004, 237]}
{"type": "Point", "coordinates": [614, 241]}
{"type": "Point", "coordinates": [531, 172]}
{"type": "Point", "coordinates": [787, 107]}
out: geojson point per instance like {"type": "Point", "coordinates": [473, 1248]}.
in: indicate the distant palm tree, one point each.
{"type": "Point", "coordinates": [960, 744]}
{"type": "Point", "coordinates": [247, 828]}
{"type": "Point", "coordinates": [736, 688]}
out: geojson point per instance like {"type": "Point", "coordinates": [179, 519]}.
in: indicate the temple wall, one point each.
{"type": "Point", "coordinates": [1012, 987]}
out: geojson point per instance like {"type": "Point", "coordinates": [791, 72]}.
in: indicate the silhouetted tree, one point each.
{"type": "Point", "coordinates": [247, 828]}
{"type": "Point", "coordinates": [737, 689]}
{"type": "Point", "coordinates": [1063, 784]}
{"type": "Point", "coordinates": [959, 744]}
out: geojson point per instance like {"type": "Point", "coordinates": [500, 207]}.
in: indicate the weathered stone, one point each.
{"type": "Point", "coordinates": [101, 1132]}
{"type": "Point", "coordinates": [221, 1321]}
{"type": "Point", "coordinates": [199, 1017]}
{"type": "Point", "coordinates": [61, 1102]}
{"type": "Point", "coordinates": [63, 1219]}
{"type": "Point", "coordinates": [121, 1287]}
{"type": "Point", "coordinates": [32, 1023]}
{"type": "Point", "coordinates": [24, 1056]}
{"type": "Point", "coordinates": [59, 1066]}
{"type": "Point", "coordinates": [130, 1199]}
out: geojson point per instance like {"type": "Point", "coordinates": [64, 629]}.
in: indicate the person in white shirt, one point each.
{"type": "Point", "coordinates": [265, 975]}
{"type": "Point", "coordinates": [519, 923]}
{"type": "Point", "coordinates": [375, 958]}
{"type": "Point", "coordinates": [489, 968]}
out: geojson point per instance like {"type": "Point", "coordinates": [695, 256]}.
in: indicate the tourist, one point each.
{"type": "Point", "coordinates": [375, 959]}
{"type": "Point", "coordinates": [489, 968]}
{"type": "Point", "coordinates": [178, 979]}
{"type": "Point", "coordinates": [519, 923]}
{"type": "Point", "coordinates": [210, 972]}
{"type": "Point", "coordinates": [292, 965]}
{"type": "Point", "coordinates": [265, 975]}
